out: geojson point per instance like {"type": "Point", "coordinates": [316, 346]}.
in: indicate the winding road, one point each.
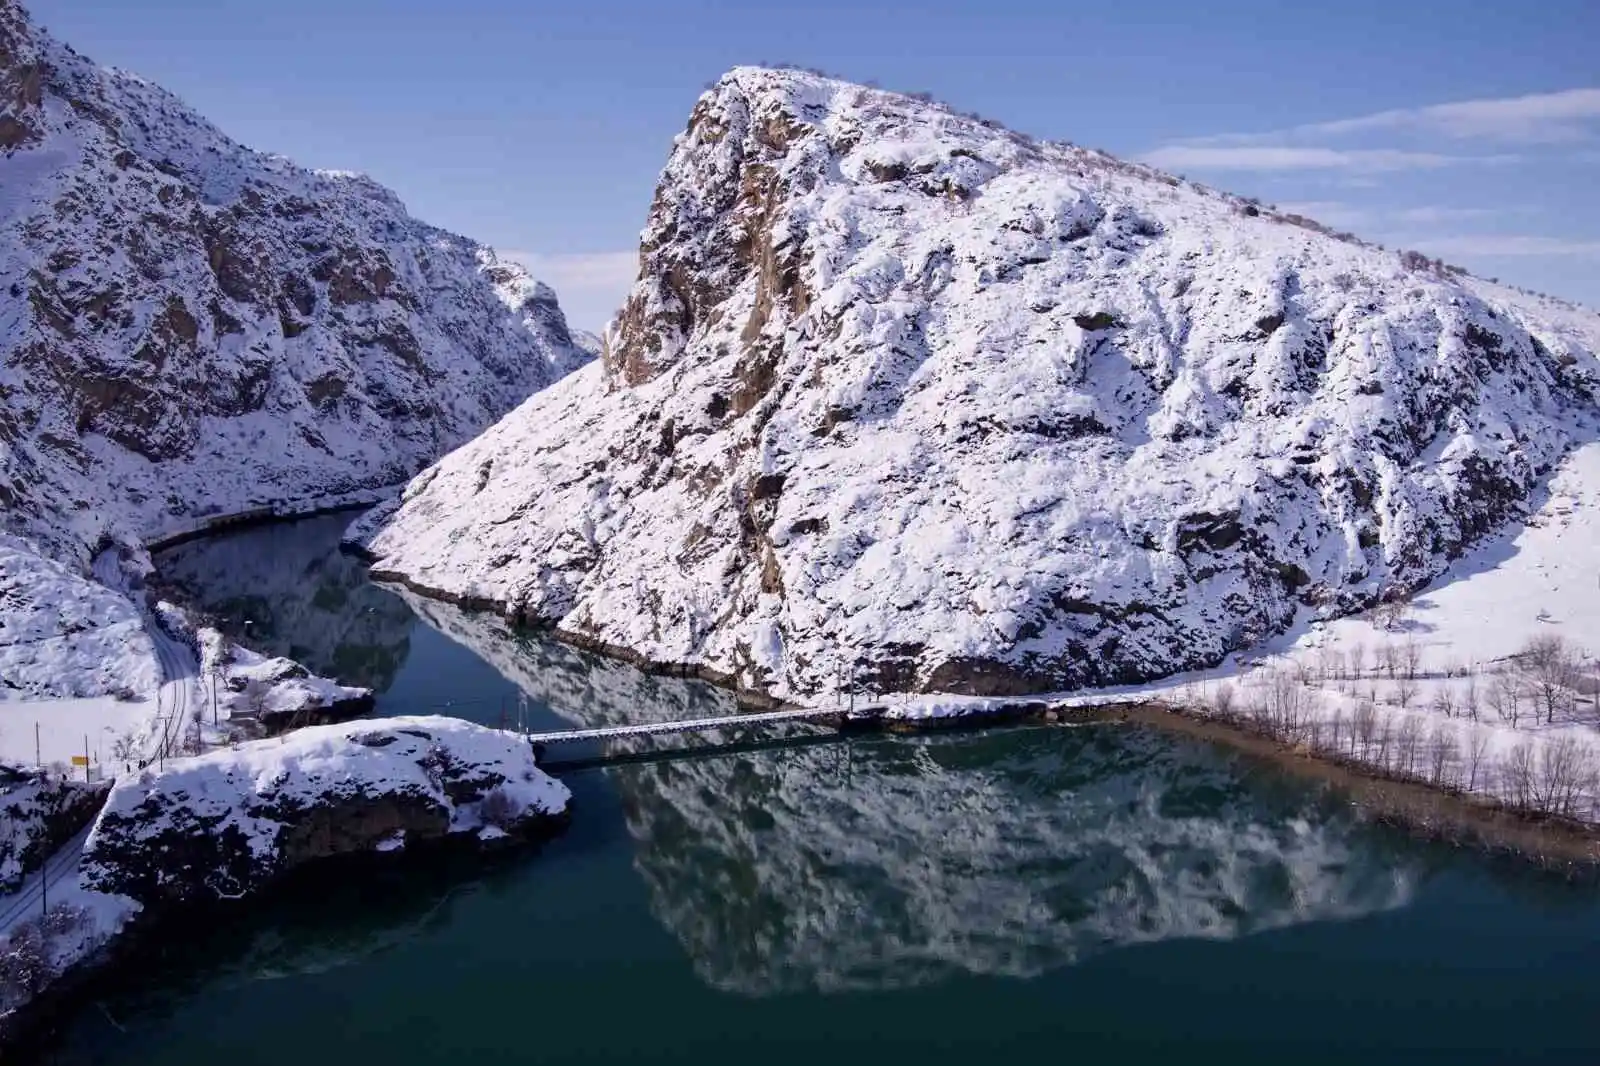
{"type": "Point", "coordinates": [172, 699]}
{"type": "Point", "coordinates": [172, 710]}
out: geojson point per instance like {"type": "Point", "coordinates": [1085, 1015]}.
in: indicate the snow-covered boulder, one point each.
{"type": "Point", "coordinates": [189, 328]}
{"type": "Point", "coordinates": [905, 397]}
{"type": "Point", "coordinates": [227, 823]}
{"type": "Point", "coordinates": [271, 690]}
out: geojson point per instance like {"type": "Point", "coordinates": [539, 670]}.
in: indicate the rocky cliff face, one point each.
{"type": "Point", "coordinates": [903, 395]}
{"type": "Point", "coordinates": [190, 327]}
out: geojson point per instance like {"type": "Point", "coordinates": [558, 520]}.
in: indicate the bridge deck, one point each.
{"type": "Point", "coordinates": [694, 725]}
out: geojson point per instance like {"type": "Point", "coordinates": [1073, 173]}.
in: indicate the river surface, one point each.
{"type": "Point", "coordinates": [1087, 894]}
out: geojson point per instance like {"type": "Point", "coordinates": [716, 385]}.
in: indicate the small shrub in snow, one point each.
{"type": "Point", "coordinates": [24, 963]}
{"type": "Point", "coordinates": [499, 810]}
{"type": "Point", "coordinates": [63, 918]}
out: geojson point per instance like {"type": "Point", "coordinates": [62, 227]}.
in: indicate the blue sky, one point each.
{"type": "Point", "coordinates": [1467, 131]}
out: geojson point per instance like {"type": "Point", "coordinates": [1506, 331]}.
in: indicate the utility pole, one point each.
{"type": "Point", "coordinates": [38, 758]}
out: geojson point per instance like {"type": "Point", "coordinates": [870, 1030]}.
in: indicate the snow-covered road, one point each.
{"type": "Point", "coordinates": [173, 699]}
{"type": "Point", "coordinates": [29, 901]}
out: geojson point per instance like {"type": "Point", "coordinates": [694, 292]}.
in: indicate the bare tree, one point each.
{"type": "Point", "coordinates": [1518, 775]}
{"type": "Point", "coordinates": [1387, 659]}
{"type": "Point", "coordinates": [1444, 753]}
{"type": "Point", "coordinates": [256, 692]}
{"type": "Point", "coordinates": [124, 749]}
{"type": "Point", "coordinates": [1405, 690]}
{"type": "Point", "coordinates": [195, 741]}
{"type": "Point", "coordinates": [1336, 730]}
{"type": "Point", "coordinates": [1385, 733]}
{"type": "Point", "coordinates": [1565, 773]}
{"type": "Point", "coordinates": [1222, 701]}
{"type": "Point", "coordinates": [1394, 609]}
{"type": "Point", "coordinates": [1443, 702]}
{"type": "Point", "coordinates": [1411, 658]}
{"type": "Point", "coordinates": [1551, 665]}
{"type": "Point", "coordinates": [1363, 726]}
{"type": "Point", "coordinates": [1469, 697]}
{"type": "Point", "coordinates": [1477, 748]}
{"type": "Point", "coordinates": [1358, 660]}
{"type": "Point", "coordinates": [1327, 662]}
{"type": "Point", "coordinates": [1407, 745]}
{"type": "Point", "coordinates": [1505, 696]}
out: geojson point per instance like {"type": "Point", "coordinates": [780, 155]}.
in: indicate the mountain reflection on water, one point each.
{"type": "Point", "coordinates": [868, 863]}
{"type": "Point", "coordinates": [893, 861]}
{"type": "Point", "coordinates": [303, 597]}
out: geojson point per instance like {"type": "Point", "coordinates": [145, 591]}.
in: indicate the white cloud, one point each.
{"type": "Point", "coordinates": [1492, 244]}
{"type": "Point", "coordinates": [1433, 216]}
{"type": "Point", "coordinates": [1537, 118]}
{"type": "Point", "coordinates": [1287, 157]}
{"type": "Point", "coordinates": [590, 285]}
{"type": "Point", "coordinates": [1568, 115]}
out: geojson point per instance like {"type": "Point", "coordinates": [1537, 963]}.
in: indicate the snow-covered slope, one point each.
{"type": "Point", "coordinates": [903, 394]}
{"type": "Point", "coordinates": [190, 327]}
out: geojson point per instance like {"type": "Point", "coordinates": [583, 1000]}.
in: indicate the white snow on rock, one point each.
{"type": "Point", "coordinates": [267, 688]}
{"type": "Point", "coordinates": [195, 329]}
{"type": "Point", "coordinates": [225, 823]}
{"type": "Point", "coordinates": [906, 398]}
{"type": "Point", "coordinates": [64, 635]}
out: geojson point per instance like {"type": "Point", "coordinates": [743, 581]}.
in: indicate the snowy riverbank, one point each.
{"type": "Point", "coordinates": [230, 823]}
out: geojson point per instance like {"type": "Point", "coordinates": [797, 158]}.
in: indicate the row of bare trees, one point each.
{"type": "Point", "coordinates": [1548, 680]}
{"type": "Point", "coordinates": [1559, 775]}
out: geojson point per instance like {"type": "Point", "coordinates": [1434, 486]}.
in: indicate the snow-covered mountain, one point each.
{"type": "Point", "coordinates": [188, 326]}
{"type": "Point", "coordinates": [902, 394]}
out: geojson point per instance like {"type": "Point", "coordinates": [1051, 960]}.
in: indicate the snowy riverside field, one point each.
{"type": "Point", "coordinates": [1486, 682]}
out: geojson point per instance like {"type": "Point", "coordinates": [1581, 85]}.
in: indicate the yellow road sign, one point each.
{"type": "Point", "coordinates": [80, 760]}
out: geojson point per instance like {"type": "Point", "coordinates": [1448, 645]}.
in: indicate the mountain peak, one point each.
{"type": "Point", "coordinates": [900, 391]}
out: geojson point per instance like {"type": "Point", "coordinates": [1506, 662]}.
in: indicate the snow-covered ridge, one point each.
{"type": "Point", "coordinates": [905, 397]}
{"type": "Point", "coordinates": [196, 328]}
